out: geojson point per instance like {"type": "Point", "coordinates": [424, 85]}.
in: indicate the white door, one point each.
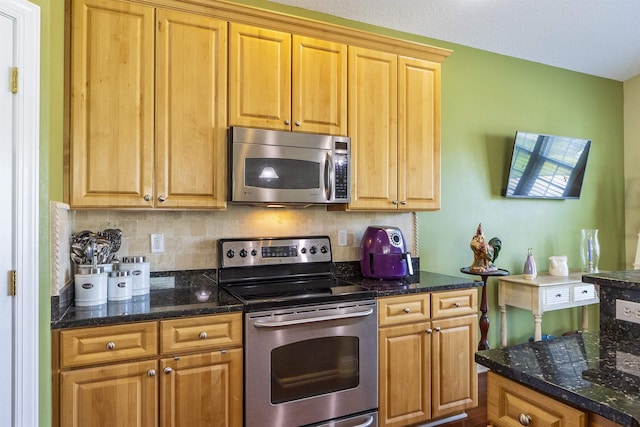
{"type": "Point", "coordinates": [6, 215]}
{"type": "Point", "coordinates": [19, 213]}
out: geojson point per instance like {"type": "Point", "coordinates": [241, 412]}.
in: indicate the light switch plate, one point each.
{"type": "Point", "coordinates": [342, 237]}
{"type": "Point", "coordinates": [628, 311]}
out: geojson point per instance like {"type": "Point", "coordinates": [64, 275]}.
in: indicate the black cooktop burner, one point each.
{"type": "Point", "coordinates": [261, 296]}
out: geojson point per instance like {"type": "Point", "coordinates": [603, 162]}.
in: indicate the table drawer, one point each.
{"type": "Point", "coordinates": [201, 333]}
{"type": "Point", "coordinates": [557, 295]}
{"type": "Point", "coordinates": [454, 303]}
{"type": "Point", "coordinates": [512, 404]}
{"type": "Point", "coordinates": [403, 309]}
{"type": "Point", "coordinates": [585, 291]}
{"type": "Point", "coordinates": [101, 344]}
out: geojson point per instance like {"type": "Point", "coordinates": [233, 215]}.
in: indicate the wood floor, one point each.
{"type": "Point", "coordinates": [476, 417]}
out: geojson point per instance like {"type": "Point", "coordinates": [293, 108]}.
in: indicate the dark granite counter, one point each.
{"type": "Point", "coordinates": [421, 281]}
{"type": "Point", "coordinates": [195, 293]}
{"type": "Point", "coordinates": [627, 280]}
{"type": "Point", "coordinates": [182, 299]}
{"type": "Point", "coordinates": [587, 371]}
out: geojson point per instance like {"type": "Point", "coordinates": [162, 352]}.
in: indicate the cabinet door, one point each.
{"type": "Point", "coordinates": [202, 390]}
{"type": "Point", "coordinates": [107, 396]}
{"type": "Point", "coordinates": [373, 78]}
{"type": "Point", "coordinates": [319, 103]}
{"type": "Point", "coordinates": [404, 395]}
{"type": "Point", "coordinates": [418, 134]}
{"type": "Point", "coordinates": [259, 77]}
{"type": "Point", "coordinates": [112, 103]}
{"type": "Point", "coordinates": [454, 378]}
{"type": "Point", "coordinates": [190, 111]}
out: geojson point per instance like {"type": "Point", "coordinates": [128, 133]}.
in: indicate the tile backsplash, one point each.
{"type": "Point", "coordinates": [190, 237]}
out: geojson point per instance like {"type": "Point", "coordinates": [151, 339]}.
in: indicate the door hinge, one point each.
{"type": "Point", "coordinates": [12, 283]}
{"type": "Point", "coordinates": [14, 80]}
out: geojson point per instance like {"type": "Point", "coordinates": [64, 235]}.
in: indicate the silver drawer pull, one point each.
{"type": "Point", "coordinates": [456, 304]}
{"type": "Point", "coordinates": [558, 295]}
{"type": "Point", "coordinates": [203, 335]}
{"type": "Point", "coordinates": [524, 419]}
{"type": "Point", "coordinates": [111, 345]}
{"type": "Point", "coordinates": [585, 291]}
{"type": "Point", "coordinates": [407, 310]}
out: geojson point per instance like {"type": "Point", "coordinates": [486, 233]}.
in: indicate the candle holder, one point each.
{"type": "Point", "coordinates": [589, 250]}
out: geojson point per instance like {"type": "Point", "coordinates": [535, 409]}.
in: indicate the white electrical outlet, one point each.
{"type": "Point", "coordinates": [157, 243]}
{"type": "Point", "coordinates": [342, 237]}
{"type": "Point", "coordinates": [628, 310]}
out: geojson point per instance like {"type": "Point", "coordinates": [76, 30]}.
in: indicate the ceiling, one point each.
{"type": "Point", "coordinates": [596, 37]}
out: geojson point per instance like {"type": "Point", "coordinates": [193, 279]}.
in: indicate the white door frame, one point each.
{"type": "Point", "coordinates": [26, 145]}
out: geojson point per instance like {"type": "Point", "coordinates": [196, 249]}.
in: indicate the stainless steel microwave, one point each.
{"type": "Point", "coordinates": [279, 167]}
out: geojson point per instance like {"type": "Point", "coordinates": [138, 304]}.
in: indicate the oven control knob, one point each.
{"type": "Point", "coordinates": [324, 249]}
{"type": "Point", "coordinates": [230, 253]}
{"type": "Point", "coordinates": [313, 250]}
{"type": "Point", "coordinates": [303, 250]}
{"type": "Point", "coordinates": [243, 253]}
{"type": "Point", "coordinates": [254, 252]}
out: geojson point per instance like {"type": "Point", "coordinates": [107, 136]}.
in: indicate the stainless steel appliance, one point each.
{"type": "Point", "coordinates": [383, 254]}
{"type": "Point", "coordinates": [311, 341]}
{"type": "Point", "coordinates": [277, 167]}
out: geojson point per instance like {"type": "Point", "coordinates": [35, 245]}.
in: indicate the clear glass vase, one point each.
{"type": "Point", "coordinates": [590, 250]}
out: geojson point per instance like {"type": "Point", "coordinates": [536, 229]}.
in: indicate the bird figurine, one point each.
{"type": "Point", "coordinates": [484, 253]}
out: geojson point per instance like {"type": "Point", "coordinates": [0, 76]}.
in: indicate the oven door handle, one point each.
{"type": "Point", "coordinates": [275, 324]}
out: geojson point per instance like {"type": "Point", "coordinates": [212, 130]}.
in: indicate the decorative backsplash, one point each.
{"type": "Point", "coordinates": [190, 237]}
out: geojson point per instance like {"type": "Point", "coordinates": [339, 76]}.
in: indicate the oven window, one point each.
{"type": "Point", "coordinates": [281, 174]}
{"type": "Point", "coordinates": [314, 367]}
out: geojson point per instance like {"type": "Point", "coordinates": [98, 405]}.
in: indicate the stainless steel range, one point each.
{"type": "Point", "coordinates": [311, 341]}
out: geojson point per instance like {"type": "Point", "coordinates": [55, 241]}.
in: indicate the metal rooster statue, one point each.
{"type": "Point", "coordinates": [484, 254]}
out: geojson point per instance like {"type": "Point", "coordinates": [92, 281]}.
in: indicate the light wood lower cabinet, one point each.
{"type": "Point", "coordinates": [113, 376]}
{"type": "Point", "coordinates": [425, 356]}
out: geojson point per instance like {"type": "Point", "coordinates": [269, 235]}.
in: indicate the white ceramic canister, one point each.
{"type": "Point", "coordinates": [83, 268]}
{"type": "Point", "coordinates": [140, 272]}
{"type": "Point", "coordinates": [90, 287]}
{"type": "Point", "coordinates": [120, 286]}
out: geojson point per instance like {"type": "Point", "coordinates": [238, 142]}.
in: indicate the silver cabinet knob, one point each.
{"type": "Point", "coordinates": [151, 373]}
{"type": "Point", "coordinates": [111, 345]}
{"type": "Point", "coordinates": [167, 370]}
{"type": "Point", "coordinates": [287, 122]}
{"type": "Point", "coordinates": [429, 331]}
{"type": "Point", "coordinates": [395, 202]}
{"type": "Point", "coordinates": [404, 202]}
{"type": "Point", "coordinates": [147, 197]}
{"type": "Point", "coordinates": [407, 310]}
{"type": "Point", "coordinates": [524, 419]}
{"type": "Point", "coordinates": [162, 199]}
{"type": "Point", "coordinates": [437, 328]}
{"type": "Point", "coordinates": [298, 123]}
{"type": "Point", "coordinates": [203, 335]}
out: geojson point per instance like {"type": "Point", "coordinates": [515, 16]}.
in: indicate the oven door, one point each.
{"type": "Point", "coordinates": [310, 364]}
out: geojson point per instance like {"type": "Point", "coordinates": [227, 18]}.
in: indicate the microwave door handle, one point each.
{"type": "Point", "coordinates": [328, 176]}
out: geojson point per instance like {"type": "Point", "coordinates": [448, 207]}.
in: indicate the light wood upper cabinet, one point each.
{"type": "Point", "coordinates": [148, 107]}
{"type": "Point", "coordinates": [394, 125]}
{"type": "Point", "coordinates": [191, 99]}
{"type": "Point", "coordinates": [286, 82]}
{"type": "Point", "coordinates": [112, 104]}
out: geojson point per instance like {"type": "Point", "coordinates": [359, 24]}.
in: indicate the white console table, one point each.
{"type": "Point", "coordinates": [544, 293]}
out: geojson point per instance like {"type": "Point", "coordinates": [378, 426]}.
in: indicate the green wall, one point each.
{"type": "Point", "coordinates": [485, 99]}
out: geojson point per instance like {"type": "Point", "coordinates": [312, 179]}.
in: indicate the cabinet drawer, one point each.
{"type": "Point", "coordinates": [200, 333]}
{"type": "Point", "coordinates": [403, 309]}
{"type": "Point", "coordinates": [508, 402]}
{"type": "Point", "coordinates": [454, 303]}
{"type": "Point", "coordinates": [584, 291]}
{"type": "Point", "coordinates": [100, 344]}
{"type": "Point", "coordinates": [557, 295]}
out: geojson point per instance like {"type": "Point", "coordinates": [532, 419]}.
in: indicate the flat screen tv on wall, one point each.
{"type": "Point", "coordinates": [546, 166]}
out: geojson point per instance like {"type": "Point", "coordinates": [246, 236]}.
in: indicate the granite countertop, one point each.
{"type": "Point", "coordinates": [628, 280]}
{"type": "Point", "coordinates": [182, 299]}
{"type": "Point", "coordinates": [585, 370]}
{"type": "Point", "coordinates": [421, 281]}
{"type": "Point", "coordinates": [195, 293]}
